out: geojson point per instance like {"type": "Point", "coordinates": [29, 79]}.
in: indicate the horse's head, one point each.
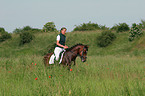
{"type": "Point", "coordinates": [83, 52]}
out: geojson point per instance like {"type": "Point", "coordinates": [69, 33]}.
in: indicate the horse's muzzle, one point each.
{"type": "Point", "coordinates": [83, 60]}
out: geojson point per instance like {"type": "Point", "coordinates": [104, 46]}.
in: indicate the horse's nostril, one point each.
{"type": "Point", "coordinates": [83, 60]}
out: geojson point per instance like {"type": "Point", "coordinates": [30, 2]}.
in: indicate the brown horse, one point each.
{"type": "Point", "coordinates": [70, 55]}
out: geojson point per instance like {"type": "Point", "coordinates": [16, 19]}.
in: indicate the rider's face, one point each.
{"type": "Point", "coordinates": [63, 31]}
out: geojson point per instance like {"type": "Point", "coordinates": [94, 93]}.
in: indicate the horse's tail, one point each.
{"type": "Point", "coordinates": [46, 59]}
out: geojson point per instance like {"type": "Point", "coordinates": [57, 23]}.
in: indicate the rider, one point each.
{"type": "Point", "coordinates": [60, 44]}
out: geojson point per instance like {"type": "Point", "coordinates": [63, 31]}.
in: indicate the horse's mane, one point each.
{"type": "Point", "coordinates": [75, 46]}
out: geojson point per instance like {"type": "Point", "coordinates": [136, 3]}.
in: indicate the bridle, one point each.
{"type": "Point", "coordinates": [83, 54]}
{"type": "Point", "coordinates": [79, 54]}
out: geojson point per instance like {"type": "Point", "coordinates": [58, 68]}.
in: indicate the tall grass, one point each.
{"type": "Point", "coordinates": [99, 76]}
{"type": "Point", "coordinates": [115, 70]}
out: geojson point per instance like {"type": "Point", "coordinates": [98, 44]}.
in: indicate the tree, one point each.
{"type": "Point", "coordinates": [2, 30]}
{"type": "Point", "coordinates": [143, 24]}
{"type": "Point", "coordinates": [27, 28]}
{"type": "Point", "coordinates": [17, 30]}
{"type": "Point", "coordinates": [50, 26]}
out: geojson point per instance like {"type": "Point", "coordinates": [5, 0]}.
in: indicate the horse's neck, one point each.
{"type": "Point", "coordinates": [76, 50]}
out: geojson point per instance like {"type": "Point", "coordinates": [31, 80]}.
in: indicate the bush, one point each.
{"type": "Point", "coordinates": [142, 24]}
{"type": "Point", "coordinates": [26, 37]}
{"type": "Point", "coordinates": [135, 32]}
{"type": "Point", "coordinates": [2, 30]}
{"type": "Point", "coordinates": [5, 36]}
{"type": "Point", "coordinates": [26, 28]}
{"type": "Point", "coordinates": [49, 27]}
{"type": "Point", "coordinates": [89, 27]}
{"type": "Point", "coordinates": [17, 30]}
{"type": "Point", "coordinates": [86, 27]}
{"type": "Point", "coordinates": [121, 27]}
{"type": "Point", "coordinates": [105, 38]}
{"type": "Point", "coordinates": [114, 27]}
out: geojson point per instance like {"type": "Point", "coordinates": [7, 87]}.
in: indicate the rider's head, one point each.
{"type": "Point", "coordinates": [63, 30]}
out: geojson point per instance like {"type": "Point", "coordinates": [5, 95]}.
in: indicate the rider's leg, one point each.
{"type": "Point", "coordinates": [57, 51]}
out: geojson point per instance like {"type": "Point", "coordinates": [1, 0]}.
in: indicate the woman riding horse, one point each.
{"type": "Point", "coordinates": [71, 54]}
{"type": "Point", "coordinates": [60, 45]}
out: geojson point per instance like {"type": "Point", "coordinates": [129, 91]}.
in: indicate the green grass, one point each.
{"type": "Point", "coordinates": [99, 76]}
{"type": "Point", "coordinates": [117, 70]}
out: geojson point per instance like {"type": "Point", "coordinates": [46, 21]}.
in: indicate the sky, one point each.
{"type": "Point", "coordinates": [68, 13]}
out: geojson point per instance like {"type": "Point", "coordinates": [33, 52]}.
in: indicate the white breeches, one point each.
{"type": "Point", "coordinates": [57, 51]}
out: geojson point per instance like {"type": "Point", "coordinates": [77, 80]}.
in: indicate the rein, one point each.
{"type": "Point", "coordinates": [79, 55]}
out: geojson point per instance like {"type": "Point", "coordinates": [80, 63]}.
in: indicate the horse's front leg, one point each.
{"type": "Point", "coordinates": [74, 62]}
{"type": "Point", "coordinates": [68, 62]}
{"type": "Point", "coordinates": [69, 65]}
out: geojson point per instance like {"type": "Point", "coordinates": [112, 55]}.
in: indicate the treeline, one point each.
{"type": "Point", "coordinates": [26, 33]}
{"type": "Point", "coordinates": [50, 27]}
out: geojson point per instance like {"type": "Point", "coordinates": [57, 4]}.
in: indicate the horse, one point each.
{"type": "Point", "coordinates": [70, 55]}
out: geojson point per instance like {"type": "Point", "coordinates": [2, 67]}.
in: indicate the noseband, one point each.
{"type": "Point", "coordinates": [83, 54]}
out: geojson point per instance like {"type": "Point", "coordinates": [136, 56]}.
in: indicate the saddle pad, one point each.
{"type": "Point", "coordinates": [51, 60]}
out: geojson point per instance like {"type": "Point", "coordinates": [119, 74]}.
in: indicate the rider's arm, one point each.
{"type": "Point", "coordinates": [58, 38]}
{"type": "Point", "coordinates": [59, 44]}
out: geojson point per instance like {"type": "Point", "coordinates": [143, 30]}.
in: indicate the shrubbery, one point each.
{"type": "Point", "coordinates": [121, 27]}
{"type": "Point", "coordinates": [141, 25]}
{"type": "Point", "coordinates": [26, 37]}
{"type": "Point", "coordinates": [26, 28]}
{"type": "Point", "coordinates": [105, 38]}
{"type": "Point", "coordinates": [5, 36]}
{"type": "Point", "coordinates": [89, 27]}
{"type": "Point", "coordinates": [49, 27]}
{"type": "Point", "coordinates": [135, 32]}
{"type": "Point", "coordinates": [2, 30]}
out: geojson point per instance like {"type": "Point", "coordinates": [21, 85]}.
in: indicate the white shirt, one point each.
{"type": "Point", "coordinates": [58, 37]}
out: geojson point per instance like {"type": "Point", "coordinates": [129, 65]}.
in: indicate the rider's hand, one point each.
{"type": "Point", "coordinates": [65, 47]}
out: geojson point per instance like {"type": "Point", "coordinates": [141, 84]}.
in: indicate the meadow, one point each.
{"type": "Point", "coordinates": [116, 70]}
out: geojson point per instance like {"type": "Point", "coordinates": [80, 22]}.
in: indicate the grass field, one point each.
{"type": "Point", "coordinates": [99, 76]}
{"type": "Point", "coordinates": [117, 70]}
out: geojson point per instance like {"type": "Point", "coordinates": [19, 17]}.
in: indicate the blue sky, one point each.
{"type": "Point", "coordinates": [67, 13]}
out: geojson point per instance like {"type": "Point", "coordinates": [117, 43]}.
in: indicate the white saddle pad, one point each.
{"type": "Point", "coordinates": [51, 61]}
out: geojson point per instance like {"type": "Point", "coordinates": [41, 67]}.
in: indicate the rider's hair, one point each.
{"type": "Point", "coordinates": [62, 29]}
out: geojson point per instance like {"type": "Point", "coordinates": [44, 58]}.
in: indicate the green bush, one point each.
{"type": "Point", "coordinates": [17, 30]}
{"type": "Point", "coordinates": [135, 32]}
{"type": "Point", "coordinates": [2, 30]}
{"type": "Point", "coordinates": [142, 24]}
{"type": "Point", "coordinates": [49, 27]}
{"type": "Point", "coordinates": [89, 27]}
{"type": "Point", "coordinates": [26, 37]}
{"type": "Point", "coordinates": [114, 27]}
{"type": "Point", "coordinates": [26, 28]}
{"type": "Point", "coordinates": [105, 38]}
{"type": "Point", "coordinates": [5, 36]}
{"type": "Point", "coordinates": [121, 27]}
